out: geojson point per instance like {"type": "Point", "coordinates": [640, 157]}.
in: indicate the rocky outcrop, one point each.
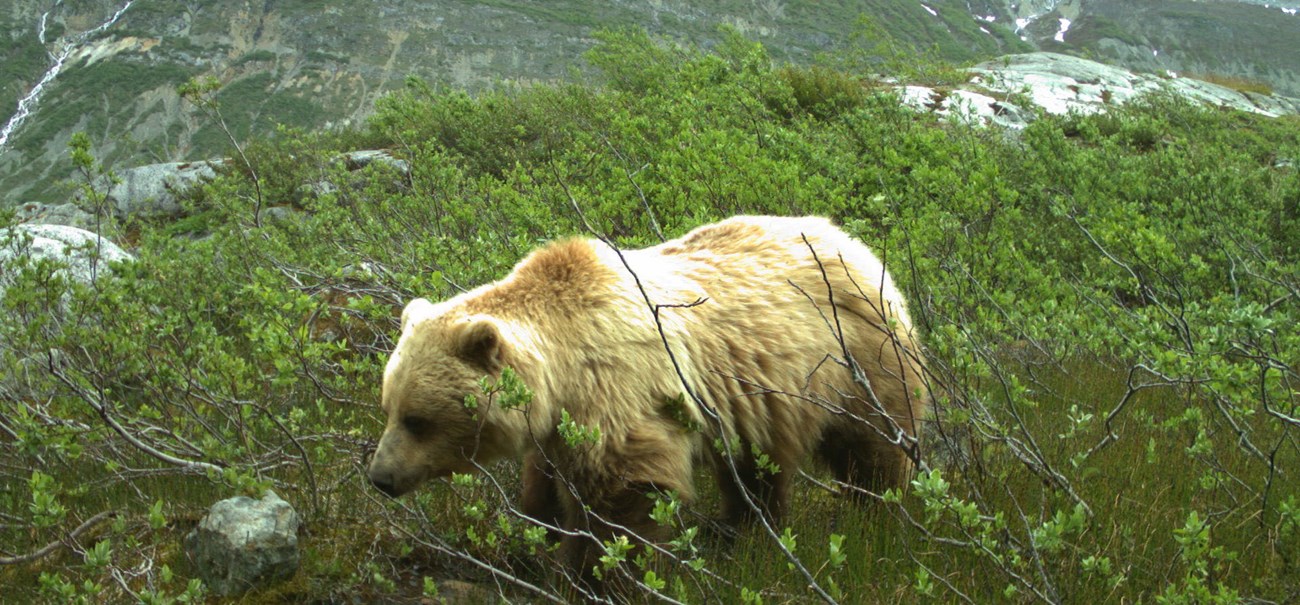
{"type": "Point", "coordinates": [244, 543]}
{"type": "Point", "coordinates": [155, 190]}
{"type": "Point", "coordinates": [71, 215]}
{"type": "Point", "coordinates": [1060, 84]}
{"type": "Point", "coordinates": [83, 256]}
{"type": "Point", "coordinates": [966, 106]}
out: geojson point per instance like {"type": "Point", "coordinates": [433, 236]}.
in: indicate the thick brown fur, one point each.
{"type": "Point", "coordinates": [746, 311]}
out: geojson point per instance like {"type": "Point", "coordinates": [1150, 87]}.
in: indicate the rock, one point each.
{"type": "Point", "coordinates": [356, 160]}
{"type": "Point", "coordinates": [84, 255]}
{"type": "Point", "coordinates": [459, 592]}
{"type": "Point", "coordinates": [965, 106]}
{"type": "Point", "coordinates": [280, 213]}
{"type": "Point", "coordinates": [153, 191]}
{"type": "Point", "coordinates": [1062, 83]}
{"type": "Point", "coordinates": [244, 543]}
{"type": "Point", "coordinates": [36, 213]}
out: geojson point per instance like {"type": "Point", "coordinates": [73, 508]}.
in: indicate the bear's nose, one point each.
{"type": "Point", "coordinates": [385, 484]}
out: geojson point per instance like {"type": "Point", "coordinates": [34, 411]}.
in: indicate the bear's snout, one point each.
{"type": "Point", "coordinates": [384, 483]}
{"type": "Point", "coordinates": [385, 471]}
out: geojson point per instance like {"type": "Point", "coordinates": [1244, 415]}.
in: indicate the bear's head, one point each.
{"type": "Point", "coordinates": [431, 433]}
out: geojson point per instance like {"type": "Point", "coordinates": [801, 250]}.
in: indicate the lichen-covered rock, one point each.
{"type": "Point", "coordinates": [84, 255]}
{"type": "Point", "coordinates": [356, 160]}
{"type": "Point", "coordinates": [244, 543]}
{"type": "Point", "coordinates": [36, 213]}
{"type": "Point", "coordinates": [155, 190]}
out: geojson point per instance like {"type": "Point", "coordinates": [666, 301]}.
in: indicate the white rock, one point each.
{"type": "Point", "coordinates": [1061, 84]}
{"type": "Point", "coordinates": [36, 213]}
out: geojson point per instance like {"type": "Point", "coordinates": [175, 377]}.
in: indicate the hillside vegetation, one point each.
{"type": "Point", "coordinates": [1108, 304]}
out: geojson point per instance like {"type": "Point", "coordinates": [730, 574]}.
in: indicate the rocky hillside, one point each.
{"type": "Point", "coordinates": [1245, 44]}
{"type": "Point", "coordinates": [323, 63]}
{"type": "Point", "coordinates": [111, 67]}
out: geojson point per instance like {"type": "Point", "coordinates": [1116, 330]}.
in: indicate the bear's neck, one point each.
{"type": "Point", "coordinates": [534, 423]}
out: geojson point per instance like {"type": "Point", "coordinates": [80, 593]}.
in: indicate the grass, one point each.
{"type": "Point", "coordinates": [1237, 83]}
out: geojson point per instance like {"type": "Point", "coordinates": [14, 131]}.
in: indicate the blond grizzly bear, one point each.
{"type": "Point", "coordinates": [781, 337]}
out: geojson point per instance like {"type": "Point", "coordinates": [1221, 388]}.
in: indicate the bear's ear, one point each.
{"type": "Point", "coordinates": [481, 344]}
{"type": "Point", "coordinates": [416, 310]}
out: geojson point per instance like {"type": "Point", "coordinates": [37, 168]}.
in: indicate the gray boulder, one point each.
{"type": "Point", "coordinates": [36, 213]}
{"type": "Point", "coordinates": [154, 191]}
{"type": "Point", "coordinates": [244, 543]}
{"type": "Point", "coordinates": [84, 256]}
{"type": "Point", "coordinates": [356, 160]}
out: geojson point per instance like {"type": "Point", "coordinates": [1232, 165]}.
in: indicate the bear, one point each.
{"type": "Point", "coordinates": [749, 344]}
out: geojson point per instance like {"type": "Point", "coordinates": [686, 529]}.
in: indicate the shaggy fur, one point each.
{"type": "Point", "coordinates": [746, 311]}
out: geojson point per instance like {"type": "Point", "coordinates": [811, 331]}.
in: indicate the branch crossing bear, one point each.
{"type": "Point", "coordinates": [782, 338]}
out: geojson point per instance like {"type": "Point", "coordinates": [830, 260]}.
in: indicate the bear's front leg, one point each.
{"type": "Point", "coordinates": [600, 519]}
{"type": "Point", "coordinates": [749, 489]}
{"type": "Point", "coordinates": [540, 500]}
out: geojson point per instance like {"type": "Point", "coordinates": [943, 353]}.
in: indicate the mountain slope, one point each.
{"type": "Point", "coordinates": [323, 63]}
{"type": "Point", "coordinates": [1250, 43]}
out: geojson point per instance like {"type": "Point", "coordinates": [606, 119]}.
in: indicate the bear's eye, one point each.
{"type": "Point", "coordinates": [417, 425]}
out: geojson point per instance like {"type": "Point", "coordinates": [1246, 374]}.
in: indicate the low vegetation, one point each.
{"type": "Point", "coordinates": [1237, 83]}
{"type": "Point", "coordinates": [1108, 305]}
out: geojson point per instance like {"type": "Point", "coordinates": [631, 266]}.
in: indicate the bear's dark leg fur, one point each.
{"type": "Point", "coordinates": [621, 510]}
{"type": "Point", "coordinates": [541, 500]}
{"type": "Point", "coordinates": [863, 459]}
{"type": "Point", "coordinates": [770, 491]}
